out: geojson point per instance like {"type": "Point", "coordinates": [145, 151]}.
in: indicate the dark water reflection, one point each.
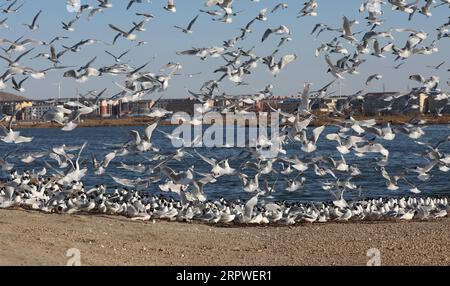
{"type": "Point", "coordinates": [402, 155]}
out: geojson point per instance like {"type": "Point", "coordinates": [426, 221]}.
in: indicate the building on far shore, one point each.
{"type": "Point", "coordinates": [383, 103]}
{"type": "Point", "coordinates": [37, 110]}
{"type": "Point", "coordinates": [438, 103]}
{"type": "Point", "coordinates": [142, 107]}
{"type": "Point", "coordinates": [386, 103]}
{"type": "Point", "coordinates": [9, 103]}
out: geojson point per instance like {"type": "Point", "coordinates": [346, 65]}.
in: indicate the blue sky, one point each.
{"type": "Point", "coordinates": [164, 41]}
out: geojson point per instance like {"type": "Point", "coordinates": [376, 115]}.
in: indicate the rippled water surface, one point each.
{"type": "Point", "coordinates": [403, 154]}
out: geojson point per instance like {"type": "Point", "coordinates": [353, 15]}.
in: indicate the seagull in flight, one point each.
{"type": "Point", "coordinates": [144, 143]}
{"type": "Point", "coordinates": [105, 4]}
{"type": "Point", "coordinates": [117, 58]}
{"type": "Point", "coordinates": [12, 136]}
{"type": "Point", "coordinates": [171, 7]}
{"type": "Point", "coordinates": [398, 66]}
{"type": "Point", "coordinates": [436, 67]}
{"type": "Point", "coordinates": [10, 9]}
{"type": "Point", "coordinates": [132, 2]}
{"type": "Point", "coordinates": [68, 26]}
{"type": "Point", "coordinates": [278, 6]}
{"type": "Point", "coordinates": [372, 77]}
{"type": "Point", "coordinates": [347, 30]}
{"type": "Point", "coordinates": [15, 63]}
{"type": "Point", "coordinates": [127, 35]}
{"type": "Point", "coordinates": [279, 31]}
{"type": "Point", "coordinates": [34, 26]}
{"type": "Point", "coordinates": [188, 29]}
{"type": "Point", "coordinates": [18, 86]}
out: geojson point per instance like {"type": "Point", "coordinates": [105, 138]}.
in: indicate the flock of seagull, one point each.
{"type": "Point", "coordinates": [33, 191]}
{"type": "Point", "coordinates": [58, 187]}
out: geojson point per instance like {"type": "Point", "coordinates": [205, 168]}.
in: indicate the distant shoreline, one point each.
{"type": "Point", "coordinates": [107, 122]}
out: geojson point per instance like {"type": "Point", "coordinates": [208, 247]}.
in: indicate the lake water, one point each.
{"type": "Point", "coordinates": [402, 151]}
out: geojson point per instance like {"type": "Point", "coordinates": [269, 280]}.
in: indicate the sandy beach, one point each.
{"type": "Point", "coordinates": [33, 238]}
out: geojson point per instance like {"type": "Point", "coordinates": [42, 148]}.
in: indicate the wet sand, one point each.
{"type": "Point", "coordinates": [33, 238]}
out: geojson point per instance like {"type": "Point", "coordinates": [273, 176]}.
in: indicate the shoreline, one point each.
{"type": "Point", "coordinates": [90, 123]}
{"type": "Point", "coordinates": [34, 238]}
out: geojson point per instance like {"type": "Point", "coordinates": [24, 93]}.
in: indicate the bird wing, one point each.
{"type": "Point", "coordinates": [136, 136]}
{"type": "Point", "coordinates": [94, 162]}
{"type": "Point", "coordinates": [305, 95]}
{"type": "Point", "coordinates": [149, 130]}
{"type": "Point", "coordinates": [108, 158]}
{"type": "Point", "coordinates": [249, 24]}
{"type": "Point", "coordinates": [24, 54]}
{"type": "Point", "coordinates": [376, 47]}
{"type": "Point", "coordinates": [439, 65]}
{"type": "Point", "coordinates": [116, 29]}
{"type": "Point", "coordinates": [287, 59]}
{"type": "Point", "coordinates": [89, 63]}
{"type": "Point", "coordinates": [53, 52]}
{"type": "Point", "coordinates": [6, 59]}
{"type": "Point", "coordinates": [316, 132]}
{"type": "Point", "coordinates": [266, 34]}
{"type": "Point", "coordinates": [12, 4]}
{"type": "Point", "coordinates": [61, 53]}
{"type": "Point", "coordinates": [325, 88]}
{"type": "Point", "coordinates": [346, 27]}
{"type": "Point", "coordinates": [97, 98]}
{"type": "Point", "coordinates": [36, 17]}
{"type": "Point", "coordinates": [14, 82]}
{"type": "Point", "coordinates": [11, 119]}
{"type": "Point", "coordinates": [251, 203]}
{"type": "Point", "coordinates": [370, 78]}
{"type": "Point", "coordinates": [417, 77]}
{"type": "Point", "coordinates": [329, 62]}
{"type": "Point", "coordinates": [72, 22]}
{"type": "Point", "coordinates": [276, 7]}
{"type": "Point", "coordinates": [387, 48]}
{"type": "Point", "coordinates": [130, 4]}
{"type": "Point", "coordinates": [210, 161]}
{"type": "Point", "coordinates": [192, 22]}
{"type": "Point", "coordinates": [123, 54]}
{"type": "Point", "coordinates": [334, 137]}
{"type": "Point", "coordinates": [115, 38]}
{"type": "Point", "coordinates": [385, 174]}
{"type": "Point", "coordinates": [111, 54]}
{"type": "Point", "coordinates": [22, 81]}
{"type": "Point", "coordinates": [79, 155]}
